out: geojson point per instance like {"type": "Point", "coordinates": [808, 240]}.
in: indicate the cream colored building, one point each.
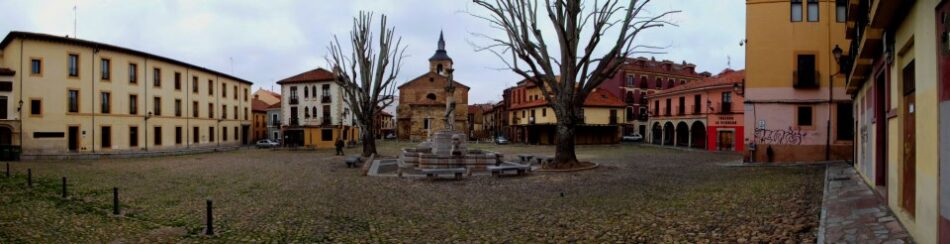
{"type": "Point", "coordinates": [313, 112]}
{"type": "Point", "coordinates": [70, 96]}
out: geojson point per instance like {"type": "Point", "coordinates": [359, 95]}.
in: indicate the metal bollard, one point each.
{"type": "Point", "coordinates": [64, 187]}
{"type": "Point", "coordinates": [115, 200]}
{"type": "Point", "coordinates": [29, 177]}
{"type": "Point", "coordinates": [209, 229]}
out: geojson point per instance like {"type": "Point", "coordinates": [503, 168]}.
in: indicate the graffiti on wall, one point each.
{"type": "Point", "coordinates": [788, 136]}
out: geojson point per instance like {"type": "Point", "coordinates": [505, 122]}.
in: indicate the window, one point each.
{"type": "Point", "coordinates": [36, 107]}
{"type": "Point", "coordinates": [659, 83]}
{"type": "Point", "coordinates": [210, 110]}
{"type": "Point", "coordinates": [106, 69]}
{"type": "Point", "coordinates": [796, 11]}
{"type": "Point", "coordinates": [177, 107]}
{"type": "Point", "coordinates": [427, 122]}
{"type": "Point", "coordinates": [157, 77]}
{"type": "Point", "coordinates": [224, 90]}
{"type": "Point", "coordinates": [6, 86]}
{"type": "Point", "coordinates": [236, 133]}
{"type": "Point", "coordinates": [194, 134]}
{"type": "Point", "coordinates": [245, 113]}
{"type": "Point", "coordinates": [73, 65]}
{"type": "Point", "coordinates": [544, 112]}
{"type": "Point", "coordinates": [245, 94]}
{"type": "Point", "coordinates": [158, 136]}
{"type": "Point", "coordinates": [133, 136]}
{"type": "Point", "coordinates": [697, 104]}
{"type": "Point", "coordinates": [235, 115]}
{"type": "Point", "coordinates": [73, 97]}
{"type": "Point", "coordinates": [813, 11]}
{"type": "Point", "coordinates": [105, 100]}
{"type": "Point", "coordinates": [224, 134]}
{"type": "Point", "coordinates": [643, 82]}
{"type": "Point", "coordinates": [133, 104]}
{"type": "Point", "coordinates": [210, 88]}
{"type": "Point", "coordinates": [656, 107]}
{"type": "Point", "coordinates": [106, 140]}
{"type": "Point", "coordinates": [177, 81]}
{"type": "Point", "coordinates": [3, 107]}
{"type": "Point", "coordinates": [682, 106]}
{"type": "Point", "coordinates": [807, 76]}
{"type": "Point", "coordinates": [805, 116]}
{"type": "Point", "coordinates": [36, 66]}
{"type": "Point", "coordinates": [430, 96]}
{"type": "Point", "coordinates": [235, 93]}
{"type": "Point", "coordinates": [669, 106]}
{"type": "Point", "coordinates": [211, 134]}
{"type": "Point", "coordinates": [194, 85]}
{"type": "Point", "coordinates": [49, 134]}
{"type": "Point", "coordinates": [629, 81]}
{"type": "Point", "coordinates": [194, 109]}
{"type": "Point", "coordinates": [326, 135]}
{"type": "Point", "coordinates": [157, 106]}
{"type": "Point", "coordinates": [133, 74]}
{"type": "Point", "coordinates": [178, 135]}
{"type": "Point", "coordinates": [841, 11]}
{"type": "Point", "coordinates": [224, 111]}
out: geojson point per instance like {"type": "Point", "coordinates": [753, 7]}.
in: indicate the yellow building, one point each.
{"type": "Point", "coordinates": [795, 101]}
{"type": "Point", "coordinates": [69, 96]}
{"type": "Point", "coordinates": [259, 118]}
{"type": "Point", "coordinates": [533, 121]}
{"type": "Point", "coordinates": [313, 112]}
{"type": "Point", "coordinates": [900, 78]}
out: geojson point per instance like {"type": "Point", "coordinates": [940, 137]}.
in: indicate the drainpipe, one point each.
{"type": "Point", "coordinates": [831, 88]}
{"type": "Point", "coordinates": [20, 103]}
{"type": "Point", "coordinates": [145, 102]}
{"type": "Point", "coordinates": [92, 68]}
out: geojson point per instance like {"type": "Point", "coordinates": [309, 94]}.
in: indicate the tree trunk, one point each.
{"type": "Point", "coordinates": [369, 140]}
{"type": "Point", "coordinates": [564, 155]}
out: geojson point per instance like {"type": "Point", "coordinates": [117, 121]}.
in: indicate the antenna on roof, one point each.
{"type": "Point", "coordinates": [75, 18]}
{"type": "Point", "coordinates": [729, 61]}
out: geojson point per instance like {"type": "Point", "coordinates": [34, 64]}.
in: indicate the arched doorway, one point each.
{"type": "Point", "coordinates": [657, 134]}
{"type": "Point", "coordinates": [682, 134]}
{"type": "Point", "coordinates": [668, 134]}
{"type": "Point", "coordinates": [6, 136]}
{"type": "Point", "coordinates": [698, 133]}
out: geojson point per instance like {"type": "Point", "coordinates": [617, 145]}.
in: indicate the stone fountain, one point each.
{"type": "Point", "coordinates": [447, 148]}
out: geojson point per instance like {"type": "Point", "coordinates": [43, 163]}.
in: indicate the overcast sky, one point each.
{"type": "Point", "coordinates": [274, 39]}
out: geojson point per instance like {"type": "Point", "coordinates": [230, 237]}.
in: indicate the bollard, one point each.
{"type": "Point", "coordinates": [29, 177]}
{"type": "Point", "coordinates": [115, 200]}
{"type": "Point", "coordinates": [8, 170]}
{"type": "Point", "coordinates": [209, 230]}
{"type": "Point", "coordinates": [64, 187]}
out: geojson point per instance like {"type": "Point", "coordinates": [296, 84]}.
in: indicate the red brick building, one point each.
{"type": "Point", "coordinates": [640, 77]}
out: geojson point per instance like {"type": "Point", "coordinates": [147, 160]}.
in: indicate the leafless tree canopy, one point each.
{"type": "Point", "coordinates": [568, 68]}
{"type": "Point", "coordinates": [367, 72]}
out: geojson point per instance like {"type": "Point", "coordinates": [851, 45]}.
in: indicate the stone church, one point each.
{"type": "Point", "coordinates": [421, 109]}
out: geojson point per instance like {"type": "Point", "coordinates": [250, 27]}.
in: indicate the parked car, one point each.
{"type": "Point", "coordinates": [632, 138]}
{"type": "Point", "coordinates": [390, 136]}
{"type": "Point", "coordinates": [501, 140]}
{"type": "Point", "coordinates": [267, 143]}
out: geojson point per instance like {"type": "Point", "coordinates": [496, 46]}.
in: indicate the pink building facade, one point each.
{"type": "Point", "coordinates": [706, 114]}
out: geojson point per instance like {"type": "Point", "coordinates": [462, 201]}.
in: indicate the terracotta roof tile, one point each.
{"type": "Point", "coordinates": [727, 76]}
{"type": "Point", "coordinates": [318, 74]}
{"type": "Point", "coordinates": [259, 106]}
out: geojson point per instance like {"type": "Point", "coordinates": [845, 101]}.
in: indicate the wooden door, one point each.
{"type": "Point", "coordinates": [73, 138]}
{"type": "Point", "coordinates": [942, 18]}
{"type": "Point", "coordinates": [909, 169]}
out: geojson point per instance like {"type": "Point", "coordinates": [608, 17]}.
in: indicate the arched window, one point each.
{"type": "Point", "coordinates": [431, 96]}
{"type": "Point", "coordinates": [306, 92]}
{"type": "Point", "coordinates": [438, 68]}
{"type": "Point", "coordinates": [659, 83]}
{"type": "Point", "coordinates": [629, 81]}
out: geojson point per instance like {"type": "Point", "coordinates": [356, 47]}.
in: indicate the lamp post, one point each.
{"type": "Point", "coordinates": [147, 116]}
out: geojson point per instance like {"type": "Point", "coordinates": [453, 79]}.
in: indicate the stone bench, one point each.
{"type": "Point", "coordinates": [351, 161]}
{"type": "Point", "coordinates": [432, 173]}
{"type": "Point", "coordinates": [519, 169]}
{"type": "Point", "coordinates": [544, 160]}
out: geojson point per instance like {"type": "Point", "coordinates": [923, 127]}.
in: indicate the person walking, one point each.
{"type": "Point", "coordinates": [339, 147]}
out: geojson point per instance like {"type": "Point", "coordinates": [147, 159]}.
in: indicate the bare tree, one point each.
{"type": "Point", "coordinates": [367, 73]}
{"type": "Point", "coordinates": [568, 72]}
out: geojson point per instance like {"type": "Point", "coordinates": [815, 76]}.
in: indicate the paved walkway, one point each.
{"type": "Point", "coordinates": [852, 213]}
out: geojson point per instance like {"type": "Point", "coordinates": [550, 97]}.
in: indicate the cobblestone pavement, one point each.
{"type": "Point", "coordinates": [852, 213]}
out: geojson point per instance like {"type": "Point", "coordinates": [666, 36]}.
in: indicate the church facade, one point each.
{"type": "Point", "coordinates": [422, 101]}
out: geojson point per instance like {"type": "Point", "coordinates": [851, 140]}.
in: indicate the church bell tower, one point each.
{"type": "Point", "coordinates": [440, 62]}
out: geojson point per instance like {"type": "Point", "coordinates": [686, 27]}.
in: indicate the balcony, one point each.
{"type": "Point", "coordinates": [725, 108]}
{"type": "Point", "coordinates": [325, 99]}
{"type": "Point", "coordinates": [275, 123]}
{"type": "Point", "coordinates": [294, 101]}
{"type": "Point", "coordinates": [805, 80]}
{"type": "Point", "coordinates": [325, 120]}
{"type": "Point", "coordinates": [294, 121]}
